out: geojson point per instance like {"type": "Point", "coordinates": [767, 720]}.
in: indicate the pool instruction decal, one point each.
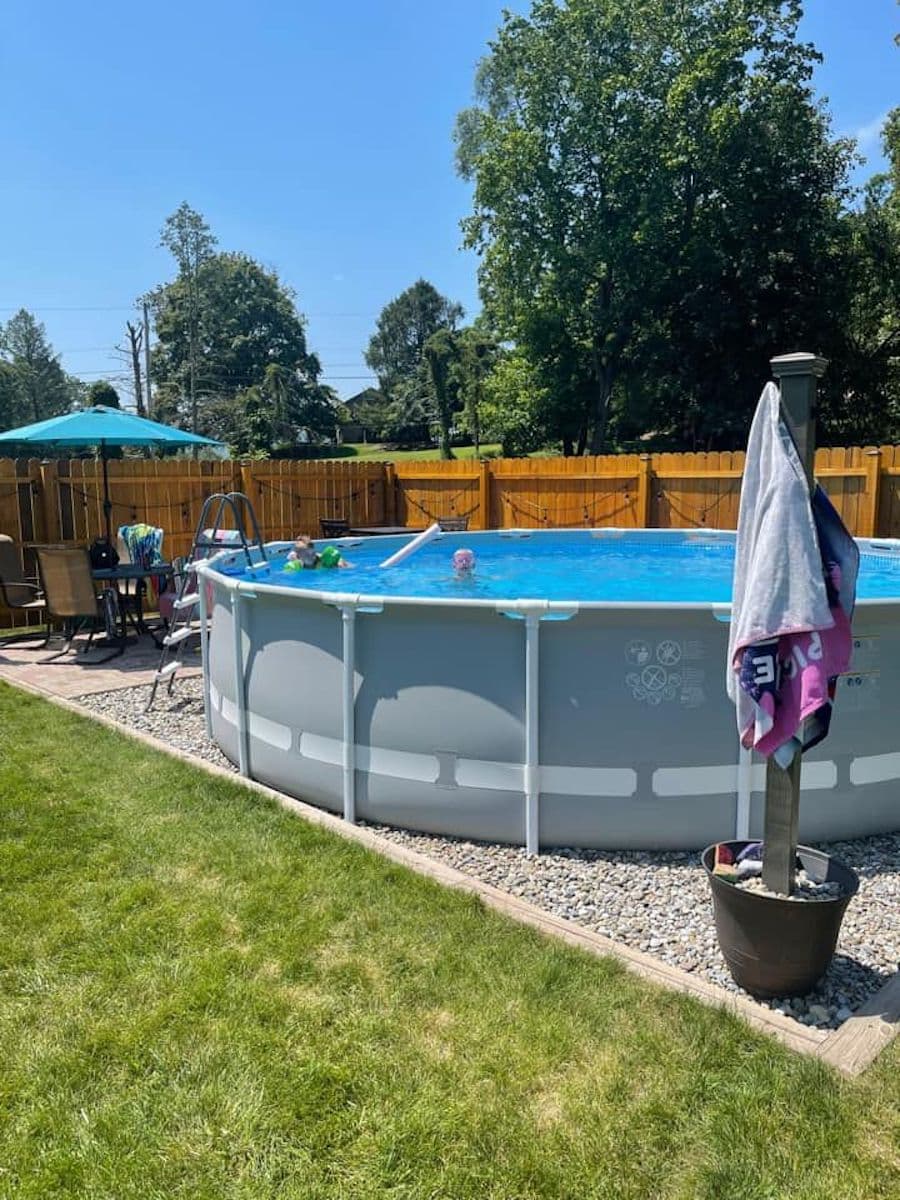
{"type": "Point", "coordinates": [662, 672]}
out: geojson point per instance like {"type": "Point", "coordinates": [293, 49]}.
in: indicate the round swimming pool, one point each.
{"type": "Point", "coordinates": [571, 691]}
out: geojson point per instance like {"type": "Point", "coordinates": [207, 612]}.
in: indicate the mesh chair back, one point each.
{"type": "Point", "coordinates": [15, 587]}
{"type": "Point", "coordinates": [333, 527]}
{"type": "Point", "coordinates": [453, 524]}
{"type": "Point", "coordinates": [66, 577]}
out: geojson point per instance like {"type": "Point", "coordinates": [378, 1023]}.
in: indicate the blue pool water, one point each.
{"type": "Point", "coordinates": [564, 566]}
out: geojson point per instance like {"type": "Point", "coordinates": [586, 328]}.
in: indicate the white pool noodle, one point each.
{"type": "Point", "coordinates": [411, 547]}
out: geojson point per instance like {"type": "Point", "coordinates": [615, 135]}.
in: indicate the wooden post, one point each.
{"type": "Point", "coordinates": [796, 375]}
{"type": "Point", "coordinates": [484, 494]}
{"type": "Point", "coordinates": [50, 502]}
{"type": "Point", "coordinates": [869, 517]}
{"type": "Point", "coordinates": [390, 494]}
{"type": "Point", "coordinates": [643, 494]}
{"type": "Point", "coordinates": [237, 476]}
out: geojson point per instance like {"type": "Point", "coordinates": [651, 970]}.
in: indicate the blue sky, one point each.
{"type": "Point", "coordinates": [316, 136]}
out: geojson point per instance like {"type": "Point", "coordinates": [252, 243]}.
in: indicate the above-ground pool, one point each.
{"type": "Point", "coordinates": [570, 693]}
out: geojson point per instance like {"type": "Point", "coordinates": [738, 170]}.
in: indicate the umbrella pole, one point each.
{"type": "Point", "coordinates": [796, 375]}
{"type": "Point", "coordinates": [107, 503]}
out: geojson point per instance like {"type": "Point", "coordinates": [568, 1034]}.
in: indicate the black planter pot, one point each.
{"type": "Point", "coordinates": [775, 946]}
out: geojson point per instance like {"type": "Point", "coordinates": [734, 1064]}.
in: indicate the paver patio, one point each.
{"type": "Point", "coordinates": [82, 674]}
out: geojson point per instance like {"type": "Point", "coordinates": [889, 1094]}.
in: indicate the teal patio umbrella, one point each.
{"type": "Point", "coordinates": [103, 427]}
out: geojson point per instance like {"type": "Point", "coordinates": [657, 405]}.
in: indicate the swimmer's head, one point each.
{"type": "Point", "coordinates": [463, 561]}
{"type": "Point", "coordinates": [304, 552]}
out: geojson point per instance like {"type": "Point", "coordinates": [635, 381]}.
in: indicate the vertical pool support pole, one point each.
{"type": "Point", "coordinates": [240, 694]}
{"type": "Point", "coordinates": [796, 375]}
{"type": "Point", "coordinates": [532, 728]}
{"type": "Point", "coordinates": [348, 702]}
{"type": "Point", "coordinates": [202, 585]}
{"type": "Point", "coordinates": [744, 786]}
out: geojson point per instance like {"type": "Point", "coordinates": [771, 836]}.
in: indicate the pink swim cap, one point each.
{"type": "Point", "coordinates": [463, 560]}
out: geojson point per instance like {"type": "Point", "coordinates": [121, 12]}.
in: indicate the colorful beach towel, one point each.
{"type": "Point", "coordinates": [794, 590]}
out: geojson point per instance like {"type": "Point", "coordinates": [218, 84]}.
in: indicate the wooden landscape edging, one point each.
{"type": "Point", "coordinates": [849, 1049]}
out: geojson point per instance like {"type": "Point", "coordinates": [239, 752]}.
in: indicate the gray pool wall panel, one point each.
{"type": "Point", "coordinates": [636, 737]}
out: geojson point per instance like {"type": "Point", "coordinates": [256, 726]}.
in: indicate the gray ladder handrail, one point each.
{"type": "Point", "coordinates": [183, 626]}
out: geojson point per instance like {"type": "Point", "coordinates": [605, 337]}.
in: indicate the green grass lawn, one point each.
{"type": "Point", "coordinates": [203, 997]}
{"type": "Point", "coordinates": [374, 450]}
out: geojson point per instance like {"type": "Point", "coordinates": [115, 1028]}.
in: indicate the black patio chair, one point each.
{"type": "Point", "coordinates": [18, 594]}
{"type": "Point", "coordinates": [334, 527]}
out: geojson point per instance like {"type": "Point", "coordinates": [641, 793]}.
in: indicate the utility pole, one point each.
{"type": "Point", "coordinates": [149, 404]}
{"type": "Point", "coordinates": [192, 337]}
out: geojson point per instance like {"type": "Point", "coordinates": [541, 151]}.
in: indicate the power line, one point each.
{"type": "Point", "coordinates": [46, 308]}
{"type": "Point", "coordinates": [68, 308]}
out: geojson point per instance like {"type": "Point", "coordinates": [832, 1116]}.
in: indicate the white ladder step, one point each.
{"type": "Point", "coordinates": [187, 601]}
{"type": "Point", "coordinates": [169, 669]}
{"type": "Point", "coordinates": [180, 635]}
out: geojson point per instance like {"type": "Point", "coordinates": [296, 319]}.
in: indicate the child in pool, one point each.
{"type": "Point", "coordinates": [304, 556]}
{"type": "Point", "coordinates": [463, 563]}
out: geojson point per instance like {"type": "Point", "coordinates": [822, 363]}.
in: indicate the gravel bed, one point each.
{"type": "Point", "coordinates": [658, 902]}
{"type": "Point", "coordinates": [176, 719]}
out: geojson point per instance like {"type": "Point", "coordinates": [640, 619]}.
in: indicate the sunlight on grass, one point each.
{"type": "Point", "coordinates": [201, 996]}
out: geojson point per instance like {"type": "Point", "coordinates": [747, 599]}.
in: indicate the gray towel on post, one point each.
{"type": "Point", "coordinates": [779, 587]}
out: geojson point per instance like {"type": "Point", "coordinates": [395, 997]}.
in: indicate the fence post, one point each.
{"type": "Point", "coordinates": [797, 375]}
{"type": "Point", "coordinates": [389, 483]}
{"type": "Point", "coordinates": [869, 517]}
{"type": "Point", "coordinates": [643, 495]}
{"type": "Point", "coordinates": [49, 486]}
{"type": "Point", "coordinates": [484, 493]}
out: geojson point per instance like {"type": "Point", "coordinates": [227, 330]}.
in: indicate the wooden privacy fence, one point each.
{"type": "Point", "coordinates": [61, 501]}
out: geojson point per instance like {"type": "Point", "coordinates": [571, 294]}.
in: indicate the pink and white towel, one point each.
{"type": "Point", "coordinates": [794, 590]}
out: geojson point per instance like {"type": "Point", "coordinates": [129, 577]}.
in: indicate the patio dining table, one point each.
{"type": "Point", "coordinates": [116, 576]}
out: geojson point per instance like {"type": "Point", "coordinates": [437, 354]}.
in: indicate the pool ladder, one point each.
{"type": "Point", "coordinates": [185, 622]}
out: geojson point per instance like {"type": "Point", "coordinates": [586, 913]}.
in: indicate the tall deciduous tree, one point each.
{"type": "Point", "coordinates": [397, 346]}
{"type": "Point", "coordinates": [861, 400]}
{"type": "Point", "coordinates": [191, 243]}
{"type": "Point", "coordinates": [514, 408]}
{"type": "Point", "coordinates": [101, 391]}
{"type": "Point", "coordinates": [35, 385]}
{"type": "Point", "coordinates": [477, 354]}
{"type": "Point", "coordinates": [441, 353]}
{"type": "Point", "coordinates": [655, 196]}
{"type": "Point", "coordinates": [256, 383]}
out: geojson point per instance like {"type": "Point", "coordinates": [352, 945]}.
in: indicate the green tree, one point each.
{"type": "Point", "coordinates": [186, 235]}
{"type": "Point", "coordinates": [403, 327]}
{"type": "Point", "coordinates": [11, 410]}
{"type": "Point", "coordinates": [250, 353]}
{"type": "Point", "coordinates": [441, 353]}
{"type": "Point", "coordinates": [861, 397]}
{"type": "Point", "coordinates": [656, 196]}
{"type": "Point", "coordinates": [36, 386]}
{"type": "Point", "coordinates": [477, 353]}
{"type": "Point", "coordinates": [514, 405]}
{"type": "Point", "coordinates": [103, 392]}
